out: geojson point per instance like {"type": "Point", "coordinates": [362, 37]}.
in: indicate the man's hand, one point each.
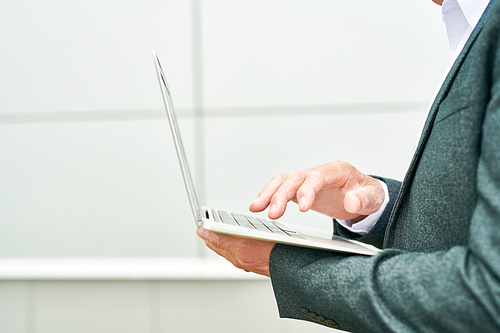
{"type": "Point", "coordinates": [248, 254]}
{"type": "Point", "coordinates": [335, 189]}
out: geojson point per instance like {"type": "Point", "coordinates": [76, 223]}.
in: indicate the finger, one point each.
{"type": "Point", "coordinates": [212, 238]}
{"type": "Point", "coordinates": [266, 194]}
{"type": "Point", "coordinates": [247, 254]}
{"type": "Point", "coordinates": [220, 247]}
{"type": "Point", "coordinates": [365, 200]}
{"type": "Point", "coordinates": [352, 203]}
{"type": "Point", "coordinates": [225, 246]}
{"type": "Point", "coordinates": [202, 233]}
{"type": "Point", "coordinates": [306, 194]}
{"type": "Point", "coordinates": [286, 192]}
{"type": "Point", "coordinates": [216, 242]}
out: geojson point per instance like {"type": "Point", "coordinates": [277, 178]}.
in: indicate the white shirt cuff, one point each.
{"type": "Point", "coordinates": [365, 225]}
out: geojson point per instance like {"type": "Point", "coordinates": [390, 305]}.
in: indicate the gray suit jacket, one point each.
{"type": "Point", "coordinates": [440, 267]}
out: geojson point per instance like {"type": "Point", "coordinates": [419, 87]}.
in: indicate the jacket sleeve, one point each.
{"type": "Point", "coordinates": [454, 290]}
{"type": "Point", "coordinates": [376, 236]}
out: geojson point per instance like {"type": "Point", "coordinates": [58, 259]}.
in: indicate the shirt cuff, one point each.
{"type": "Point", "coordinates": [365, 225]}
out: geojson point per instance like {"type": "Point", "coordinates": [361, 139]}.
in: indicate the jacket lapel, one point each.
{"type": "Point", "coordinates": [443, 91]}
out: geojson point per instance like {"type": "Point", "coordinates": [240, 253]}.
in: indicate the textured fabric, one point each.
{"type": "Point", "coordinates": [440, 267]}
{"type": "Point", "coordinates": [460, 17]}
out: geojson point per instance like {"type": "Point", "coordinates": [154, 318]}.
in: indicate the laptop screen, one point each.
{"type": "Point", "coordinates": [181, 154]}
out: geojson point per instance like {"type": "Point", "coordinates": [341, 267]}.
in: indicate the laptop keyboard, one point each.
{"type": "Point", "coordinates": [252, 222]}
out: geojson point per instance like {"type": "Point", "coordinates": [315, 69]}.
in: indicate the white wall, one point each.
{"type": "Point", "coordinates": [96, 55]}
{"type": "Point", "coordinates": [87, 165]}
{"type": "Point", "coordinates": [143, 307]}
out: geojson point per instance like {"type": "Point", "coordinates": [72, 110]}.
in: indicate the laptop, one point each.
{"type": "Point", "coordinates": [250, 226]}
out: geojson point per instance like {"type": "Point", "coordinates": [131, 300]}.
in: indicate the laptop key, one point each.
{"type": "Point", "coordinates": [245, 224]}
{"type": "Point", "coordinates": [277, 230]}
{"type": "Point", "coordinates": [239, 217]}
{"type": "Point", "coordinates": [242, 221]}
{"type": "Point", "coordinates": [215, 215]}
{"type": "Point", "coordinates": [253, 220]}
{"type": "Point", "coordinates": [260, 226]}
{"type": "Point", "coordinates": [284, 228]}
{"type": "Point", "coordinates": [227, 218]}
{"type": "Point", "coordinates": [273, 228]}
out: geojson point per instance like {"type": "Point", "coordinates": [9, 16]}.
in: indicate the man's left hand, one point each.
{"type": "Point", "coordinates": [248, 254]}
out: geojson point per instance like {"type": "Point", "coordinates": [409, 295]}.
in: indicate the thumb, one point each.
{"type": "Point", "coordinates": [363, 201]}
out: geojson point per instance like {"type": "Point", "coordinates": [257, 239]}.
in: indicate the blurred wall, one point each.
{"type": "Point", "coordinates": [87, 163]}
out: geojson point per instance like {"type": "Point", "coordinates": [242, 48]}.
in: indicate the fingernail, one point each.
{"type": "Point", "coordinates": [273, 208]}
{"type": "Point", "coordinates": [302, 202]}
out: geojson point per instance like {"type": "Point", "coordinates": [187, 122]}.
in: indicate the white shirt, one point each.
{"type": "Point", "coordinates": [460, 18]}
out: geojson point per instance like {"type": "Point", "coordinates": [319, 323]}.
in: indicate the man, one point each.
{"type": "Point", "coordinates": [439, 270]}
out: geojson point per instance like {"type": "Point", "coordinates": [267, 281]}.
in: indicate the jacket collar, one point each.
{"type": "Point", "coordinates": [443, 91]}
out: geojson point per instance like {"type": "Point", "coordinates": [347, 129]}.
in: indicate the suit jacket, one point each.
{"type": "Point", "coordinates": [440, 267]}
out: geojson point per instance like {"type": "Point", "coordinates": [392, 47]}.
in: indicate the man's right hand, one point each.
{"type": "Point", "coordinates": [335, 189]}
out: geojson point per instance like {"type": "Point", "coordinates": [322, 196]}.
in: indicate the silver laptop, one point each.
{"type": "Point", "coordinates": [235, 224]}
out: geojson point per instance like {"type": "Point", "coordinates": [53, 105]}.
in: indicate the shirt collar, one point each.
{"type": "Point", "coordinates": [473, 10]}
{"type": "Point", "coordinates": [460, 18]}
